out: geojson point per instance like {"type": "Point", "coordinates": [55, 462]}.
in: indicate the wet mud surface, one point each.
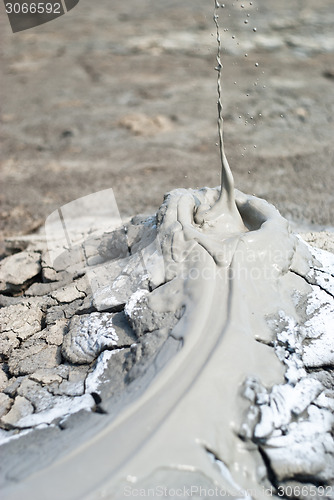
{"type": "Point", "coordinates": [123, 95]}
{"type": "Point", "coordinates": [93, 362]}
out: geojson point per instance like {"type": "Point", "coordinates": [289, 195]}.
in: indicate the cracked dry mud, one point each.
{"type": "Point", "coordinates": [53, 341]}
{"type": "Point", "coordinates": [292, 423]}
{"type": "Point", "coordinates": [68, 356]}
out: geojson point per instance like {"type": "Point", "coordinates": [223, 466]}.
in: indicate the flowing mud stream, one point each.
{"type": "Point", "coordinates": [226, 265]}
{"type": "Point", "coordinates": [224, 210]}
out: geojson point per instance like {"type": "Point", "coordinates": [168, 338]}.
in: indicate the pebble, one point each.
{"type": "Point", "coordinates": [19, 268]}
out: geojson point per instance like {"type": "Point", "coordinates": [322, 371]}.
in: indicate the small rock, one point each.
{"type": "Point", "coordinates": [70, 261]}
{"type": "Point", "coordinates": [46, 377]}
{"type": "Point", "coordinates": [40, 289]}
{"type": "Point", "coordinates": [304, 393]}
{"type": "Point", "coordinates": [61, 406]}
{"type": "Point", "coordinates": [7, 300]}
{"type": "Point", "coordinates": [5, 404]}
{"type": "Point", "coordinates": [48, 272]}
{"type": "Point", "coordinates": [17, 269]}
{"type": "Point", "coordinates": [20, 409]}
{"type": "Point", "coordinates": [8, 342]}
{"type": "Point", "coordinates": [54, 314]}
{"type": "Point", "coordinates": [38, 396]}
{"type": "Point", "coordinates": [54, 334]}
{"type": "Point", "coordinates": [27, 360]}
{"type": "Point", "coordinates": [145, 313]}
{"type": "Point", "coordinates": [326, 401]}
{"type": "Point", "coordinates": [3, 380]}
{"type": "Point", "coordinates": [114, 282]}
{"type": "Point", "coordinates": [308, 459]}
{"type": "Point", "coordinates": [72, 388]}
{"type": "Point", "coordinates": [77, 373]}
{"type": "Point", "coordinates": [254, 391]}
{"type": "Point", "coordinates": [141, 355]}
{"type": "Point", "coordinates": [91, 250]}
{"type": "Point", "coordinates": [18, 322]}
{"type": "Point", "coordinates": [108, 376]}
{"type": "Point", "coordinates": [86, 306]}
{"type": "Point", "coordinates": [89, 334]}
{"type": "Point", "coordinates": [67, 294]}
{"type": "Point", "coordinates": [72, 308]}
{"type": "Point", "coordinates": [75, 385]}
{"type": "Point", "coordinates": [13, 385]}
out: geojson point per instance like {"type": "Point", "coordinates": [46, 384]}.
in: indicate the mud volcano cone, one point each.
{"type": "Point", "coordinates": [169, 352]}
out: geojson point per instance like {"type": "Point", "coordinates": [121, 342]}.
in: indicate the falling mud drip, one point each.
{"type": "Point", "coordinates": [224, 210]}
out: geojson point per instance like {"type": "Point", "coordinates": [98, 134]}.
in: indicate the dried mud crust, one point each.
{"type": "Point", "coordinates": [55, 344]}
{"type": "Point", "coordinates": [292, 423]}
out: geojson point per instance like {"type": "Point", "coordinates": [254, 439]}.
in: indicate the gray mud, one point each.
{"type": "Point", "coordinates": [151, 374]}
{"type": "Point", "coordinates": [194, 346]}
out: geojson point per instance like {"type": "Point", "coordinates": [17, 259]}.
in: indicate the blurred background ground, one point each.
{"type": "Point", "coordinates": [123, 95]}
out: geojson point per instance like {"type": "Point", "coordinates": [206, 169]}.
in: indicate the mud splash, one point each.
{"type": "Point", "coordinates": [224, 210]}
